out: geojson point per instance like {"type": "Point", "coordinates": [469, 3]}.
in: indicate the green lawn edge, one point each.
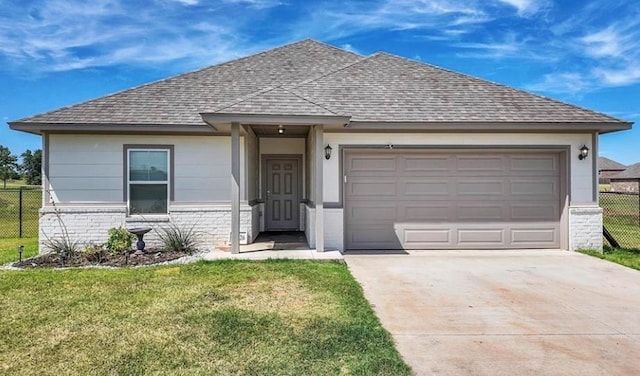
{"type": "Point", "coordinates": [231, 317]}
{"type": "Point", "coordinates": [625, 257]}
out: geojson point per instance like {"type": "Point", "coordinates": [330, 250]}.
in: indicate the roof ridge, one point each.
{"type": "Point", "coordinates": [236, 60]}
{"type": "Point", "coordinates": [258, 93]}
{"type": "Point", "coordinates": [383, 53]}
{"type": "Point", "coordinates": [333, 47]}
{"type": "Point", "coordinates": [308, 80]}
{"type": "Point", "coordinates": [286, 86]}
{"type": "Point", "coordinates": [310, 101]}
{"type": "Point", "coordinates": [243, 98]}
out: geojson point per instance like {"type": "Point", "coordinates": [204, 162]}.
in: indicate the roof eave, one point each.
{"type": "Point", "coordinates": [40, 128]}
{"type": "Point", "coordinates": [216, 119]}
{"type": "Point", "coordinates": [499, 126]}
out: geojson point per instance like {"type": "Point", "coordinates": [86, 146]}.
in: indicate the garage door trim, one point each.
{"type": "Point", "coordinates": [564, 174]}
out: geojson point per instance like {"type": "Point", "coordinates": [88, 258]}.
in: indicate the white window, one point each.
{"type": "Point", "coordinates": [148, 180]}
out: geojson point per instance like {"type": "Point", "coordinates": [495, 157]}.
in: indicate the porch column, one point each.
{"type": "Point", "coordinates": [319, 155]}
{"type": "Point", "coordinates": [235, 187]}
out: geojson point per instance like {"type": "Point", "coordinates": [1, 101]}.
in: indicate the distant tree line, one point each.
{"type": "Point", "coordinates": [30, 169]}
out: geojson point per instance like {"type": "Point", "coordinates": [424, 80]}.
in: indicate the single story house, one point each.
{"type": "Point", "coordinates": [607, 168]}
{"type": "Point", "coordinates": [627, 180]}
{"type": "Point", "coordinates": [359, 152]}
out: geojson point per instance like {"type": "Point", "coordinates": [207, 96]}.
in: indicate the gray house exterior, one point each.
{"type": "Point", "coordinates": [359, 152]}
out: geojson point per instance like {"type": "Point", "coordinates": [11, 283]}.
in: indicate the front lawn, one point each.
{"type": "Point", "coordinates": [224, 318]}
{"type": "Point", "coordinates": [630, 258]}
{"type": "Point", "coordinates": [9, 249]}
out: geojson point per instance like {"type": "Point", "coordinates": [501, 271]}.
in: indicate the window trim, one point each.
{"type": "Point", "coordinates": [125, 172]}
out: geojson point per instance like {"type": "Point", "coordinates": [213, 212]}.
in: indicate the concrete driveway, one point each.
{"type": "Point", "coordinates": [506, 312]}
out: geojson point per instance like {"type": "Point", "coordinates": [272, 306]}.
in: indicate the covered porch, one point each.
{"type": "Point", "coordinates": [282, 176]}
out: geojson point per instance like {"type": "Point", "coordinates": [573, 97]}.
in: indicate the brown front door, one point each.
{"type": "Point", "coordinates": [282, 196]}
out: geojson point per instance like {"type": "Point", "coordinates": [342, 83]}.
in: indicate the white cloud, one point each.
{"type": "Point", "coordinates": [68, 35]}
{"type": "Point", "coordinates": [187, 2]}
{"type": "Point", "coordinates": [258, 4]}
{"type": "Point", "coordinates": [564, 82]}
{"type": "Point", "coordinates": [620, 77]}
{"type": "Point", "coordinates": [338, 19]}
{"type": "Point", "coordinates": [527, 7]}
{"type": "Point", "coordinates": [603, 43]}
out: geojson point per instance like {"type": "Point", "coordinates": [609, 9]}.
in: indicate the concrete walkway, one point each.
{"type": "Point", "coordinates": [298, 254]}
{"type": "Point", "coordinates": [506, 312]}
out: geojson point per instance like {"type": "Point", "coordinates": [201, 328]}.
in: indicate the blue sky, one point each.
{"type": "Point", "coordinates": [58, 52]}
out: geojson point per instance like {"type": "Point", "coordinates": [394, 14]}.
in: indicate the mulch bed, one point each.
{"type": "Point", "coordinates": [51, 260]}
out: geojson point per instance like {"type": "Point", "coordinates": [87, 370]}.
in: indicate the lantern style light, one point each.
{"type": "Point", "coordinates": [327, 151]}
{"type": "Point", "coordinates": [584, 152]}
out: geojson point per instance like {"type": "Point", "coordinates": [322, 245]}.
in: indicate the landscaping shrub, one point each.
{"type": "Point", "coordinates": [177, 239]}
{"type": "Point", "coordinates": [119, 240]}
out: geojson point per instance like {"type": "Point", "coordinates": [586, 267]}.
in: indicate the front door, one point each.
{"type": "Point", "coordinates": [282, 196]}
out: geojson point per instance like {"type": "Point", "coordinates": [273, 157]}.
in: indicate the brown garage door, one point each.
{"type": "Point", "coordinates": [452, 200]}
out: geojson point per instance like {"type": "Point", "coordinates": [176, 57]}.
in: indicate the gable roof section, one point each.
{"type": "Point", "coordinates": [179, 100]}
{"type": "Point", "coordinates": [387, 88]}
{"type": "Point", "coordinates": [312, 78]}
{"type": "Point", "coordinates": [605, 163]}
{"type": "Point", "coordinates": [632, 172]}
{"type": "Point", "coordinates": [275, 101]}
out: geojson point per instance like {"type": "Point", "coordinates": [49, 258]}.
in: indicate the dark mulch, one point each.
{"type": "Point", "coordinates": [51, 260]}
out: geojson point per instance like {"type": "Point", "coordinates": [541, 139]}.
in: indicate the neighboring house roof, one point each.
{"type": "Point", "coordinates": [312, 78]}
{"type": "Point", "coordinates": [632, 172]}
{"type": "Point", "coordinates": [605, 164]}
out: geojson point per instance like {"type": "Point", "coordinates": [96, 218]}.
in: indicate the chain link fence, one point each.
{"type": "Point", "coordinates": [19, 212]}
{"type": "Point", "coordinates": [621, 218]}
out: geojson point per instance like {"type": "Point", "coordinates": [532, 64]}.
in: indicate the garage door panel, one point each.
{"type": "Point", "coordinates": [445, 200]}
{"type": "Point", "coordinates": [374, 237]}
{"type": "Point", "coordinates": [432, 212]}
{"type": "Point", "coordinates": [369, 214]}
{"type": "Point", "coordinates": [419, 237]}
{"type": "Point", "coordinates": [532, 236]}
{"type": "Point", "coordinates": [423, 165]}
{"type": "Point", "coordinates": [536, 165]}
{"type": "Point", "coordinates": [542, 210]}
{"type": "Point", "coordinates": [480, 164]}
{"type": "Point", "coordinates": [480, 212]}
{"type": "Point", "coordinates": [480, 187]}
{"type": "Point", "coordinates": [531, 188]}
{"type": "Point", "coordinates": [375, 164]}
{"type": "Point", "coordinates": [369, 187]}
{"type": "Point", "coordinates": [478, 236]}
{"type": "Point", "coordinates": [425, 188]}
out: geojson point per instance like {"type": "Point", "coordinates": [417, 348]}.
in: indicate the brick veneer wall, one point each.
{"type": "Point", "coordinates": [90, 224]}
{"type": "Point", "coordinates": [585, 228]}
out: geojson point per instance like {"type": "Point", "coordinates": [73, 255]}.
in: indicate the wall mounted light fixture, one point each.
{"type": "Point", "coordinates": [281, 129]}
{"type": "Point", "coordinates": [584, 152]}
{"type": "Point", "coordinates": [327, 151]}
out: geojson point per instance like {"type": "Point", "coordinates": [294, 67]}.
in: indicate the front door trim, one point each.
{"type": "Point", "coordinates": [263, 194]}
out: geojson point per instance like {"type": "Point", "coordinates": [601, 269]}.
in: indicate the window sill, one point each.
{"type": "Point", "coordinates": [149, 218]}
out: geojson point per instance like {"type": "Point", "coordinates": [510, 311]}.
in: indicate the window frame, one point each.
{"type": "Point", "coordinates": [127, 149]}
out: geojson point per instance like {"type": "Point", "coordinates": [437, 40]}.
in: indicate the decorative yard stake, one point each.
{"type": "Point", "coordinates": [20, 250]}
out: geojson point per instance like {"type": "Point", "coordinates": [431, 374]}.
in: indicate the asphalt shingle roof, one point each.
{"type": "Point", "coordinates": [632, 172]}
{"type": "Point", "coordinates": [312, 78]}
{"type": "Point", "coordinates": [605, 163]}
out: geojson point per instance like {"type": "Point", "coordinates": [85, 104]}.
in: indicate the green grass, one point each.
{"type": "Point", "coordinates": [209, 318]}
{"type": "Point", "coordinates": [621, 216]}
{"type": "Point", "coordinates": [9, 212]}
{"type": "Point", "coordinates": [9, 249]}
{"type": "Point", "coordinates": [624, 257]}
{"type": "Point", "coordinates": [16, 184]}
